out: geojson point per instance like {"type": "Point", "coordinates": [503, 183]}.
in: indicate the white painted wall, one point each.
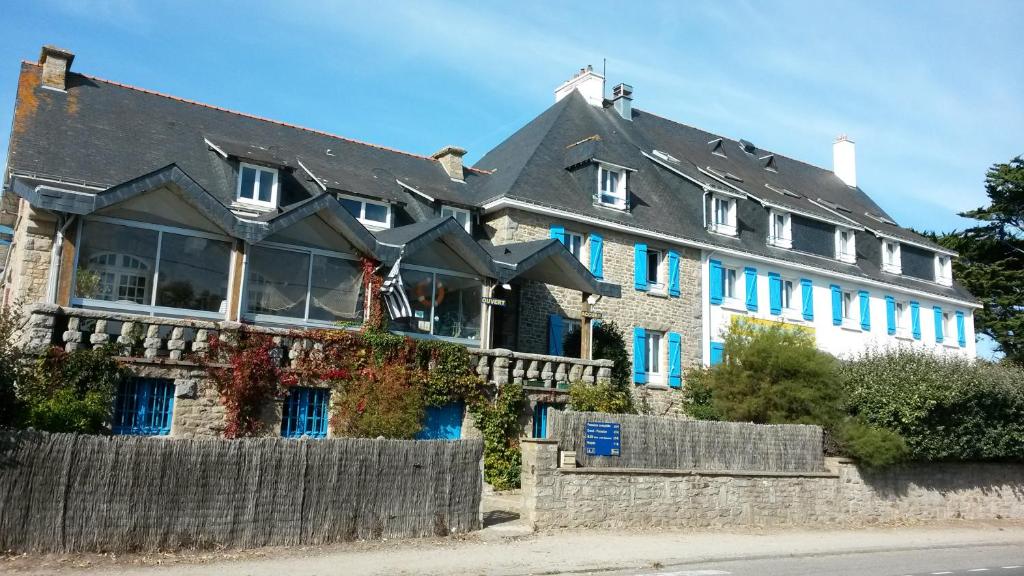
{"type": "Point", "coordinates": [841, 341]}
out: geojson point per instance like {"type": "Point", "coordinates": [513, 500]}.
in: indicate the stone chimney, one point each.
{"type": "Point", "coordinates": [589, 83]}
{"type": "Point", "coordinates": [844, 160]}
{"type": "Point", "coordinates": [56, 64]}
{"type": "Point", "coordinates": [622, 98]}
{"type": "Point", "coordinates": [450, 158]}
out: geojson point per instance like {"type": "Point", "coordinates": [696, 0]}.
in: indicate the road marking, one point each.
{"type": "Point", "coordinates": [941, 572]}
{"type": "Point", "coordinates": [1012, 567]}
{"type": "Point", "coordinates": [692, 573]}
{"type": "Point", "coordinates": [978, 570]}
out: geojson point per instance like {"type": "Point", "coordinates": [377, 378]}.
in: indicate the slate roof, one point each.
{"type": "Point", "coordinates": [533, 165]}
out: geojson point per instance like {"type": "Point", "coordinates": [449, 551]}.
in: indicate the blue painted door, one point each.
{"type": "Point", "coordinates": [442, 422]}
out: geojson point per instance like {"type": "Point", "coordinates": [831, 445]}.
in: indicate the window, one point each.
{"type": "Point", "coordinates": [949, 328]}
{"type": "Point", "coordinates": [846, 250]}
{"type": "Point", "coordinates": [943, 270]}
{"type": "Point", "coordinates": [574, 243]}
{"type": "Point", "coordinates": [445, 304]}
{"type": "Point", "coordinates": [902, 318]}
{"type": "Point", "coordinates": [611, 186]}
{"type": "Point", "coordinates": [371, 214]}
{"type": "Point", "coordinates": [655, 375]}
{"type": "Point", "coordinates": [291, 285]}
{"type": "Point", "coordinates": [461, 216]}
{"type": "Point", "coordinates": [848, 306]}
{"type": "Point", "coordinates": [788, 303]}
{"type": "Point", "coordinates": [781, 230]}
{"type": "Point", "coordinates": [141, 267]}
{"type": "Point", "coordinates": [654, 279]}
{"type": "Point", "coordinates": [891, 261]}
{"type": "Point", "coordinates": [729, 283]}
{"type": "Point", "coordinates": [305, 413]}
{"type": "Point", "coordinates": [257, 185]}
{"type": "Point", "coordinates": [723, 213]}
{"type": "Point", "coordinates": [143, 407]}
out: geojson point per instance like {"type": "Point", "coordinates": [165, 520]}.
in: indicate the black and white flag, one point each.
{"type": "Point", "coordinates": [394, 294]}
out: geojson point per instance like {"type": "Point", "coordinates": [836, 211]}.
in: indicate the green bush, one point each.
{"type": "Point", "coordinates": [11, 368]}
{"type": "Point", "coordinates": [73, 391]}
{"type": "Point", "coordinates": [499, 423]}
{"type": "Point", "coordinates": [615, 397]}
{"type": "Point", "coordinates": [871, 446]}
{"type": "Point", "coordinates": [945, 408]}
{"type": "Point", "coordinates": [606, 397]}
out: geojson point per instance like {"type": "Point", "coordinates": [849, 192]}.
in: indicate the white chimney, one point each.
{"type": "Point", "coordinates": [622, 99]}
{"type": "Point", "coordinates": [589, 83]}
{"type": "Point", "coordinates": [844, 160]}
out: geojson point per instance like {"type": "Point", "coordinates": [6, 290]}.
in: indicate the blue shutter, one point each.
{"type": "Point", "coordinates": [715, 281]}
{"type": "Point", "coordinates": [837, 305]}
{"type": "Point", "coordinates": [807, 289]}
{"type": "Point", "coordinates": [717, 353]}
{"type": "Point", "coordinates": [558, 233]}
{"type": "Point", "coordinates": [865, 311]}
{"type": "Point", "coordinates": [302, 401]}
{"type": "Point", "coordinates": [540, 420]}
{"type": "Point", "coordinates": [775, 293]}
{"type": "Point", "coordinates": [961, 332]}
{"type": "Point", "coordinates": [640, 267]}
{"type": "Point", "coordinates": [939, 336]}
{"type": "Point", "coordinates": [554, 335]}
{"type": "Point", "coordinates": [596, 255]}
{"type": "Point", "coordinates": [890, 315]}
{"type": "Point", "coordinates": [673, 273]}
{"type": "Point", "coordinates": [675, 360]}
{"type": "Point", "coordinates": [639, 356]}
{"type": "Point", "coordinates": [915, 320]}
{"type": "Point", "coordinates": [751, 282]}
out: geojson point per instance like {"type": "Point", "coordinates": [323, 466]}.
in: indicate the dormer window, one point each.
{"type": "Point", "coordinates": [781, 233]}
{"type": "Point", "coordinates": [943, 270]}
{"type": "Point", "coordinates": [369, 213]}
{"type": "Point", "coordinates": [846, 247]}
{"type": "Point", "coordinates": [723, 215]}
{"type": "Point", "coordinates": [257, 185]}
{"type": "Point", "coordinates": [461, 216]}
{"type": "Point", "coordinates": [891, 260]}
{"type": "Point", "coordinates": [611, 187]}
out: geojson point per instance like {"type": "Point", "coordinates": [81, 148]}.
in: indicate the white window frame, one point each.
{"type": "Point", "coordinates": [255, 201]}
{"type": "Point", "coordinates": [848, 306]}
{"type": "Point", "coordinates": [620, 187]}
{"type": "Point", "coordinates": [842, 254]}
{"type": "Point", "coordinates": [659, 285]}
{"type": "Point", "coordinates": [949, 331]}
{"type": "Point", "coordinates": [150, 309]}
{"type": "Point", "coordinates": [791, 307]}
{"type": "Point", "coordinates": [734, 299]}
{"type": "Point", "coordinates": [362, 212]}
{"type": "Point", "coordinates": [570, 237]}
{"type": "Point", "coordinates": [944, 269]}
{"type": "Point", "coordinates": [896, 265]}
{"type": "Point", "coordinates": [655, 377]}
{"type": "Point", "coordinates": [785, 240]}
{"type": "Point", "coordinates": [469, 216]}
{"type": "Point", "coordinates": [902, 313]}
{"type": "Point", "coordinates": [728, 227]}
{"type": "Point", "coordinates": [287, 320]}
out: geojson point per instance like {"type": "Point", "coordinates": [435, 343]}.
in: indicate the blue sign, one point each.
{"type": "Point", "coordinates": [603, 439]}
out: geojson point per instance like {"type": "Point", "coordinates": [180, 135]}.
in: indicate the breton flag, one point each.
{"type": "Point", "coordinates": [394, 294]}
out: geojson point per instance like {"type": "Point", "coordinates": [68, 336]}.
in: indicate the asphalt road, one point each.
{"type": "Point", "coordinates": [958, 561]}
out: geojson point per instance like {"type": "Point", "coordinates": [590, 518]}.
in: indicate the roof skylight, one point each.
{"type": "Point", "coordinates": [666, 157]}
{"type": "Point", "coordinates": [782, 191]}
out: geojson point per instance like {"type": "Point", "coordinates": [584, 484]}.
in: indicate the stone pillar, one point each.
{"type": "Point", "coordinates": [537, 478]}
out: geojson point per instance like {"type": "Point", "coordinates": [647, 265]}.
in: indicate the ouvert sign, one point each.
{"type": "Point", "coordinates": [603, 439]}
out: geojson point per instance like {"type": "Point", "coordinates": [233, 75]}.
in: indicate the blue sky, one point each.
{"type": "Point", "coordinates": [930, 91]}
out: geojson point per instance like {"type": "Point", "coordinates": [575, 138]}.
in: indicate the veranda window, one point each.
{"type": "Point", "coordinates": [151, 269]}
{"type": "Point", "coordinates": [292, 285]}
{"type": "Point", "coordinates": [444, 304]}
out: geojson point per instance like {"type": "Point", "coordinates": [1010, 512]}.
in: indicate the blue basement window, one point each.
{"type": "Point", "coordinates": [143, 407]}
{"type": "Point", "coordinates": [305, 413]}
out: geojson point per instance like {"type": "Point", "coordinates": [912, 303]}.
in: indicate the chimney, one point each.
{"type": "Point", "coordinates": [844, 160]}
{"type": "Point", "coordinates": [589, 83]}
{"type": "Point", "coordinates": [450, 158]}
{"type": "Point", "coordinates": [622, 98]}
{"type": "Point", "coordinates": [56, 64]}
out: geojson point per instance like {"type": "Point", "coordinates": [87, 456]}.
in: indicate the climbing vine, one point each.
{"type": "Point", "coordinates": [499, 423]}
{"type": "Point", "coordinates": [249, 379]}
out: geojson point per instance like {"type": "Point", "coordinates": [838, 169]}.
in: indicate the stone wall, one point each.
{"type": "Point", "coordinates": [846, 495]}
{"type": "Point", "coordinates": [28, 263]}
{"type": "Point", "coordinates": [635, 308]}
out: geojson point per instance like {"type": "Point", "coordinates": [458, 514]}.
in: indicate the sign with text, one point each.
{"type": "Point", "coordinates": [493, 301]}
{"type": "Point", "coordinates": [603, 439]}
{"type": "Point", "coordinates": [591, 314]}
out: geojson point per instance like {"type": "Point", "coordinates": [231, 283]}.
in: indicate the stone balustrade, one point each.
{"type": "Point", "coordinates": [155, 338]}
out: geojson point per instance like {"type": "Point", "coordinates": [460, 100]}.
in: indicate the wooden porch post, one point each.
{"type": "Point", "coordinates": [66, 269]}
{"type": "Point", "coordinates": [235, 280]}
{"type": "Point", "coordinates": [487, 318]}
{"type": "Point", "coordinates": [586, 328]}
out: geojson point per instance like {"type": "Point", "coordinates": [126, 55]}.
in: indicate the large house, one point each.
{"type": "Point", "coordinates": [136, 204]}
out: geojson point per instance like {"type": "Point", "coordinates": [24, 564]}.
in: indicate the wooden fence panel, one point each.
{"type": "Point", "coordinates": [67, 493]}
{"type": "Point", "coordinates": [669, 443]}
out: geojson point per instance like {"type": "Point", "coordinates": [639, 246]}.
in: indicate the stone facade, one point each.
{"type": "Point", "coordinates": [846, 495]}
{"type": "Point", "coordinates": [28, 262]}
{"type": "Point", "coordinates": [634, 309]}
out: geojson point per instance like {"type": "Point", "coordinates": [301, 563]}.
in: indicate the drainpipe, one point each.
{"type": "Point", "coordinates": [55, 256]}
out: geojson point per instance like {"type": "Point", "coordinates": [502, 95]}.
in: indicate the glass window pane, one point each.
{"type": "Point", "coordinates": [653, 260]}
{"type": "Point", "coordinates": [419, 288]}
{"type": "Point", "coordinates": [116, 263]}
{"type": "Point", "coordinates": [276, 282]}
{"type": "Point", "coordinates": [266, 185]}
{"type": "Point", "coordinates": [354, 207]}
{"type": "Point", "coordinates": [337, 290]}
{"type": "Point", "coordinates": [376, 213]}
{"type": "Point", "coordinates": [457, 309]}
{"type": "Point", "coordinates": [193, 272]}
{"type": "Point", "coordinates": [247, 189]}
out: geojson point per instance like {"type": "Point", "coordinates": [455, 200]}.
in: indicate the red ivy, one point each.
{"type": "Point", "coordinates": [252, 376]}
